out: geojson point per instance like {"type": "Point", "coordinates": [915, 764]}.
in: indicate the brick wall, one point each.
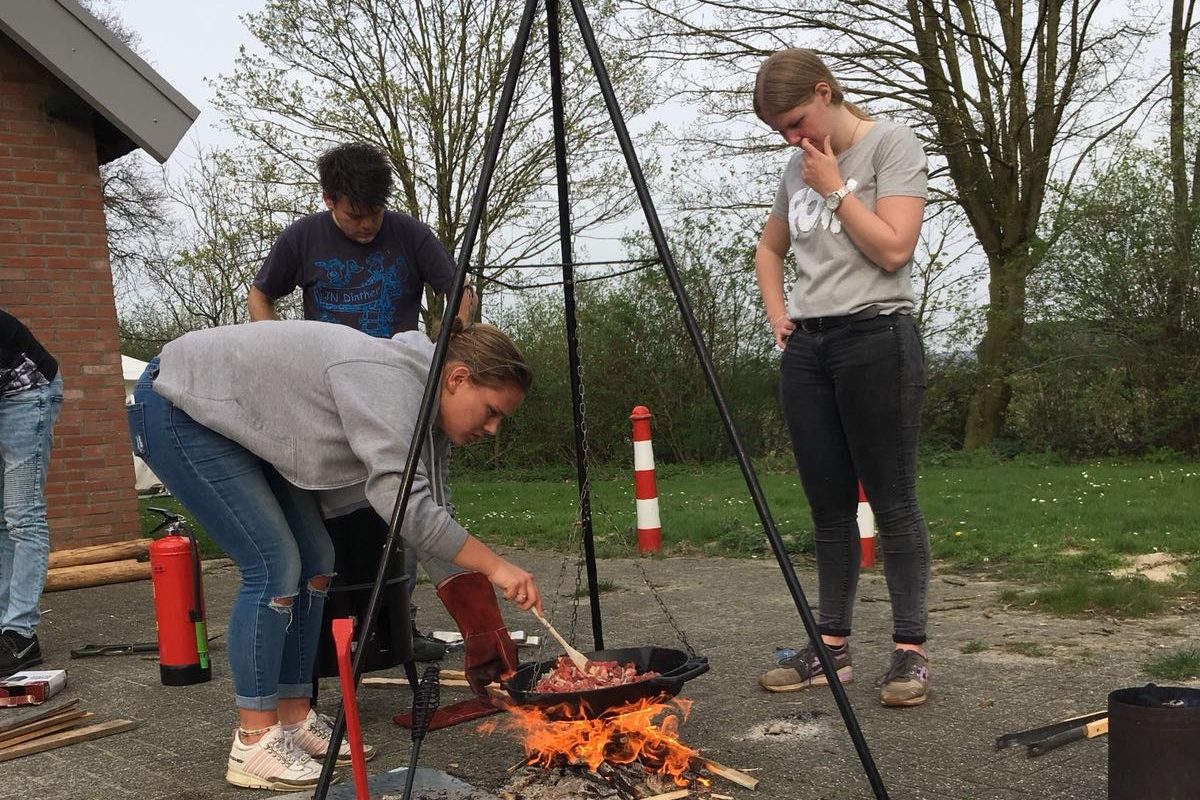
{"type": "Point", "coordinates": [55, 277]}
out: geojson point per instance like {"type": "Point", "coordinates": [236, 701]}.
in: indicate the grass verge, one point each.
{"type": "Point", "coordinates": [1059, 528]}
{"type": "Point", "coordinates": [1180, 665]}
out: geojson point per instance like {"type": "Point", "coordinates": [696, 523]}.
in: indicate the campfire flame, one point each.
{"type": "Point", "coordinates": [645, 731]}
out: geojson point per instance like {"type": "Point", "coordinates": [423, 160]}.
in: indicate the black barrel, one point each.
{"type": "Point", "coordinates": [1154, 743]}
{"type": "Point", "coordinates": [358, 539]}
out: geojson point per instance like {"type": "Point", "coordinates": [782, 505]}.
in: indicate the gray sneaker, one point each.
{"type": "Point", "coordinates": [906, 682]}
{"type": "Point", "coordinates": [803, 671]}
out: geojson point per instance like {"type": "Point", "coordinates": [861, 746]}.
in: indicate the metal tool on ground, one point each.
{"type": "Point", "coordinates": [90, 650]}
{"type": "Point", "coordinates": [1045, 738]}
{"type": "Point", "coordinates": [1091, 730]}
{"type": "Point", "coordinates": [343, 634]}
{"type": "Point", "coordinates": [425, 702]}
{"type": "Point", "coordinates": [577, 658]}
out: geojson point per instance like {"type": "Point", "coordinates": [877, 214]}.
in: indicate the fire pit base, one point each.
{"type": "Point", "coordinates": [610, 782]}
{"type": "Point", "coordinates": [430, 784]}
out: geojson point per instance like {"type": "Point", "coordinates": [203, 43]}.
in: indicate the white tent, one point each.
{"type": "Point", "coordinates": [145, 480]}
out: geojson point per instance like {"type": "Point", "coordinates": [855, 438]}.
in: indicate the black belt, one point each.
{"type": "Point", "coordinates": [818, 324]}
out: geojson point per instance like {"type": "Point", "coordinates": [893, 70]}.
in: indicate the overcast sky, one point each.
{"type": "Point", "coordinates": [189, 43]}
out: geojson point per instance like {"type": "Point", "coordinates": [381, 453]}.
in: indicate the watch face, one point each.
{"type": "Point", "coordinates": [833, 200]}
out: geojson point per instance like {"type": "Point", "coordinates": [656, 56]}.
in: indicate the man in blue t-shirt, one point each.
{"type": "Point", "coordinates": [362, 265]}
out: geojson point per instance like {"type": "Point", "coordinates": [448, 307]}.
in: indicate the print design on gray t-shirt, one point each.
{"type": "Point", "coordinates": [807, 208]}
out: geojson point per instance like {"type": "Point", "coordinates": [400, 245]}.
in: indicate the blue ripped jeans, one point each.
{"type": "Point", "coordinates": [852, 399]}
{"type": "Point", "coordinates": [271, 529]}
{"type": "Point", "coordinates": [26, 431]}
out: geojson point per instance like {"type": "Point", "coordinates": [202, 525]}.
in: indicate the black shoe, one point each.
{"type": "Point", "coordinates": [426, 648]}
{"type": "Point", "coordinates": [18, 652]}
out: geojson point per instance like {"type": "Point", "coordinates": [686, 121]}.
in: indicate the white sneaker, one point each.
{"type": "Point", "coordinates": [273, 762]}
{"type": "Point", "coordinates": [313, 733]}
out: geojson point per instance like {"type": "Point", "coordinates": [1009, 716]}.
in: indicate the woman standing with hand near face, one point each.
{"type": "Point", "coordinates": [852, 376]}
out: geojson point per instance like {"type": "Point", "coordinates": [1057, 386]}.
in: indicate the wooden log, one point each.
{"type": "Point", "coordinates": [678, 794]}
{"type": "Point", "coordinates": [84, 575]}
{"type": "Point", "coordinates": [100, 553]}
{"type": "Point", "coordinates": [65, 738]}
{"type": "Point", "coordinates": [45, 728]}
{"type": "Point", "coordinates": [728, 773]}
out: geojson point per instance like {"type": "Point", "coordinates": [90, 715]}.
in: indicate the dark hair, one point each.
{"type": "Point", "coordinates": [358, 171]}
{"type": "Point", "coordinates": [492, 357]}
{"type": "Point", "coordinates": [787, 79]}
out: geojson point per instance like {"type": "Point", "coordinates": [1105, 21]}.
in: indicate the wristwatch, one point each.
{"type": "Point", "coordinates": [834, 198]}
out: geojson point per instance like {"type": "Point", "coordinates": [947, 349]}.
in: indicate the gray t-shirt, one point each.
{"type": "Point", "coordinates": [834, 277]}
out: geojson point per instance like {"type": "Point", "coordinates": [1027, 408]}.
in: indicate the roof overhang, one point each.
{"type": "Point", "coordinates": [135, 106]}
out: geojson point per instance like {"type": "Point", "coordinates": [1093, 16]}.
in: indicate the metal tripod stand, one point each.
{"type": "Point", "coordinates": [689, 321]}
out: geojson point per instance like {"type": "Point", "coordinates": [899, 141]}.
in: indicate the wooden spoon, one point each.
{"type": "Point", "coordinates": [577, 658]}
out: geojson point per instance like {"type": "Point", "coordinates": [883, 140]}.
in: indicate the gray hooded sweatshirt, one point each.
{"type": "Point", "coordinates": [329, 407]}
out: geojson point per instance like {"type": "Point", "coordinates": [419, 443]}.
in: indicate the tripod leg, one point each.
{"type": "Point", "coordinates": [564, 236]}
{"type": "Point", "coordinates": [410, 672]}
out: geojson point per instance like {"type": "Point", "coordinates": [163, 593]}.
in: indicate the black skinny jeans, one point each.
{"type": "Point", "coordinates": [851, 398]}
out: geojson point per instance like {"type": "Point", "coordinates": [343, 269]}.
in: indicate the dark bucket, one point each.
{"type": "Point", "coordinates": [1154, 743]}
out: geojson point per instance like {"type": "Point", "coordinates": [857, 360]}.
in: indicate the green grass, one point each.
{"type": "Point", "coordinates": [1180, 665]}
{"type": "Point", "coordinates": [151, 520]}
{"type": "Point", "coordinates": [603, 585]}
{"type": "Point", "coordinates": [1027, 649]}
{"type": "Point", "coordinates": [1059, 528]}
{"type": "Point", "coordinates": [972, 646]}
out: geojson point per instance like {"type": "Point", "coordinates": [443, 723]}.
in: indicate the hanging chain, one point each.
{"type": "Point", "coordinates": [584, 491]}
{"type": "Point", "coordinates": [662, 604]}
{"type": "Point", "coordinates": [646, 578]}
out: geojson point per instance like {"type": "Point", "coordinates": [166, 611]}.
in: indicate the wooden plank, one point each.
{"type": "Point", "coordinates": [50, 712]}
{"type": "Point", "coordinates": [678, 794]}
{"type": "Point", "coordinates": [40, 724]}
{"type": "Point", "coordinates": [48, 727]}
{"type": "Point", "coordinates": [65, 738]}
{"type": "Point", "coordinates": [728, 773]}
{"type": "Point", "coordinates": [100, 553]}
{"type": "Point", "coordinates": [384, 681]}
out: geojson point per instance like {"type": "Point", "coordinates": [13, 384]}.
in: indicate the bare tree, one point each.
{"type": "Point", "coordinates": [423, 78]}
{"type": "Point", "coordinates": [1006, 95]}
{"type": "Point", "coordinates": [199, 275]}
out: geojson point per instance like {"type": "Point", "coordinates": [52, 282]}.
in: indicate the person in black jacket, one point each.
{"type": "Point", "coordinates": [30, 398]}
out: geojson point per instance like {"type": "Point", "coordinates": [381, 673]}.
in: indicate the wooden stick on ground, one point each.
{"type": "Point", "coordinates": [728, 773]}
{"type": "Point", "coordinates": [50, 712]}
{"type": "Point", "coordinates": [678, 794]}
{"type": "Point", "coordinates": [39, 727]}
{"type": "Point", "coordinates": [65, 738]}
{"type": "Point", "coordinates": [45, 728]}
{"type": "Point", "coordinates": [100, 553]}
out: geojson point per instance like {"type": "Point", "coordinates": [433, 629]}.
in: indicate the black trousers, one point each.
{"type": "Point", "coordinates": [852, 397]}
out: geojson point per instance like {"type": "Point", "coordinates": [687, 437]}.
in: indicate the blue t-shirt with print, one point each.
{"type": "Point", "coordinates": [374, 287]}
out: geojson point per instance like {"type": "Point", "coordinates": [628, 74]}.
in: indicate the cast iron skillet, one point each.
{"type": "Point", "coordinates": [676, 668]}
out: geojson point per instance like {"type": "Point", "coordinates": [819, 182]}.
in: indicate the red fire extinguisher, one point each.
{"type": "Point", "coordinates": [179, 604]}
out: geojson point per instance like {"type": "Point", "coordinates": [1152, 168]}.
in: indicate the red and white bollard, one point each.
{"type": "Point", "coordinates": [866, 530]}
{"type": "Point", "coordinates": [645, 488]}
